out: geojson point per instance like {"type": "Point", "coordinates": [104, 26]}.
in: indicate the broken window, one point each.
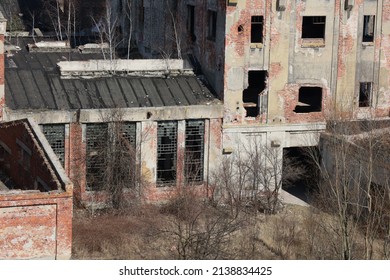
{"type": "Point", "coordinates": [121, 156]}
{"type": "Point", "coordinates": [313, 27]}
{"type": "Point", "coordinates": [365, 94]}
{"type": "Point", "coordinates": [55, 135]}
{"type": "Point", "coordinates": [309, 100]}
{"type": "Point", "coordinates": [254, 97]}
{"type": "Point", "coordinates": [97, 139]}
{"type": "Point", "coordinates": [194, 151]}
{"type": "Point", "coordinates": [257, 29]}
{"type": "Point", "coordinates": [368, 28]}
{"type": "Point", "coordinates": [212, 25]}
{"type": "Point", "coordinates": [191, 22]}
{"type": "Point", "coordinates": [166, 152]}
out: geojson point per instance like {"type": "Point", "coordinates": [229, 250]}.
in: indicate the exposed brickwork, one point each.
{"type": "Point", "coordinates": [35, 225]}
{"type": "Point", "coordinates": [36, 211]}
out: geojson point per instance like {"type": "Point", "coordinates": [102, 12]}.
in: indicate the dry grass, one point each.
{"type": "Point", "coordinates": [295, 233]}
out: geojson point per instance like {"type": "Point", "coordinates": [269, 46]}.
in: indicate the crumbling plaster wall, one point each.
{"type": "Point", "coordinates": [337, 64]}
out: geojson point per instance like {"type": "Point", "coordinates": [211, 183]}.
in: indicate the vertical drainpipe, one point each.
{"type": "Point", "coordinates": [3, 25]}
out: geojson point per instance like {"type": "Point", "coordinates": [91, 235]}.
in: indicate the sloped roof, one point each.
{"type": "Point", "coordinates": [33, 81]}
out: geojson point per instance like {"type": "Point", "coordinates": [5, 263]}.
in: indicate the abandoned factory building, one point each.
{"type": "Point", "coordinates": [273, 71]}
{"type": "Point", "coordinates": [282, 68]}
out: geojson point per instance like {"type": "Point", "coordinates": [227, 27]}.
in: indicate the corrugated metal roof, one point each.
{"type": "Point", "coordinates": [33, 81]}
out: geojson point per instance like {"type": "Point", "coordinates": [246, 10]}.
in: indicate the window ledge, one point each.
{"type": "Point", "coordinates": [367, 44]}
{"type": "Point", "coordinates": [256, 45]}
{"type": "Point", "coordinates": [313, 43]}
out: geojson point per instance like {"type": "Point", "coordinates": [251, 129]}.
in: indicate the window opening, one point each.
{"type": "Point", "coordinates": [254, 97]}
{"type": "Point", "coordinates": [191, 21]}
{"type": "Point", "coordinates": [257, 29]}
{"type": "Point", "coordinates": [368, 28]}
{"type": "Point", "coordinates": [194, 150]}
{"type": "Point", "coordinates": [122, 155]}
{"type": "Point", "coordinates": [309, 100]}
{"type": "Point", "coordinates": [166, 152]}
{"type": "Point", "coordinates": [97, 139]}
{"type": "Point", "coordinates": [313, 27]}
{"type": "Point", "coordinates": [365, 94]}
{"type": "Point", "coordinates": [55, 135]}
{"type": "Point", "coordinates": [212, 25]}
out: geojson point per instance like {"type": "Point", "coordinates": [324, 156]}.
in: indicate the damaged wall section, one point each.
{"type": "Point", "coordinates": [36, 197]}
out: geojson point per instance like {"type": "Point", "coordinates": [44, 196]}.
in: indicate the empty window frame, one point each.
{"type": "Point", "coordinates": [255, 93]}
{"type": "Point", "coordinates": [313, 27]}
{"type": "Point", "coordinates": [96, 141]}
{"type": "Point", "coordinates": [368, 28]}
{"type": "Point", "coordinates": [212, 25]}
{"type": "Point", "coordinates": [309, 100]}
{"type": "Point", "coordinates": [194, 151]}
{"type": "Point", "coordinates": [365, 94]}
{"type": "Point", "coordinates": [166, 153]}
{"type": "Point", "coordinates": [191, 22]}
{"type": "Point", "coordinates": [55, 135]}
{"type": "Point", "coordinates": [257, 29]}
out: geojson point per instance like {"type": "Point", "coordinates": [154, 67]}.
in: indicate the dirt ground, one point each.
{"type": "Point", "coordinates": [147, 233]}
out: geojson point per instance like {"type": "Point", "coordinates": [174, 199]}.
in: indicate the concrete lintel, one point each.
{"type": "Point", "coordinates": [42, 117]}
{"type": "Point", "coordinates": [273, 128]}
{"type": "Point", "coordinates": [153, 113]}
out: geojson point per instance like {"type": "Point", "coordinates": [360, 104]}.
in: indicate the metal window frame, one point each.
{"type": "Point", "coordinates": [96, 137]}
{"type": "Point", "coordinates": [55, 135]}
{"type": "Point", "coordinates": [166, 153]}
{"type": "Point", "coordinates": [194, 151]}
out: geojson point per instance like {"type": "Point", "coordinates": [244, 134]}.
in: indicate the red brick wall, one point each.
{"type": "Point", "coordinates": [35, 225]}
{"type": "Point", "coordinates": [2, 93]}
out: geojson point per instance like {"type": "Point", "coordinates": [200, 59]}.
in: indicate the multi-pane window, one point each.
{"type": "Point", "coordinates": [212, 25]}
{"type": "Point", "coordinates": [55, 135]}
{"type": "Point", "coordinates": [111, 155]}
{"type": "Point", "coordinates": [97, 141]}
{"type": "Point", "coordinates": [257, 29]}
{"type": "Point", "coordinates": [194, 150]}
{"type": "Point", "coordinates": [123, 155]}
{"type": "Point", "coordinates": [166, 152]}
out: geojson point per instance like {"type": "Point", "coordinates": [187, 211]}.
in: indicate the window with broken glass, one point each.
{"type": "Point", "coordinates": [96, 140]}
{"type": "Point", "coordinates": [55, 135]}
{"type": "Point", "coordinates": [194, 151]}
{"type": "Point", "coordinates": [111, 155]}
{"type": "Point", "coordinates": [166, 153]}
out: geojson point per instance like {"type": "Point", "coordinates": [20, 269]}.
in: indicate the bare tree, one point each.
{"type": "Point", "coordinates": [353, 185]}
{"type": "Point", "coordinates": [253, 176]}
